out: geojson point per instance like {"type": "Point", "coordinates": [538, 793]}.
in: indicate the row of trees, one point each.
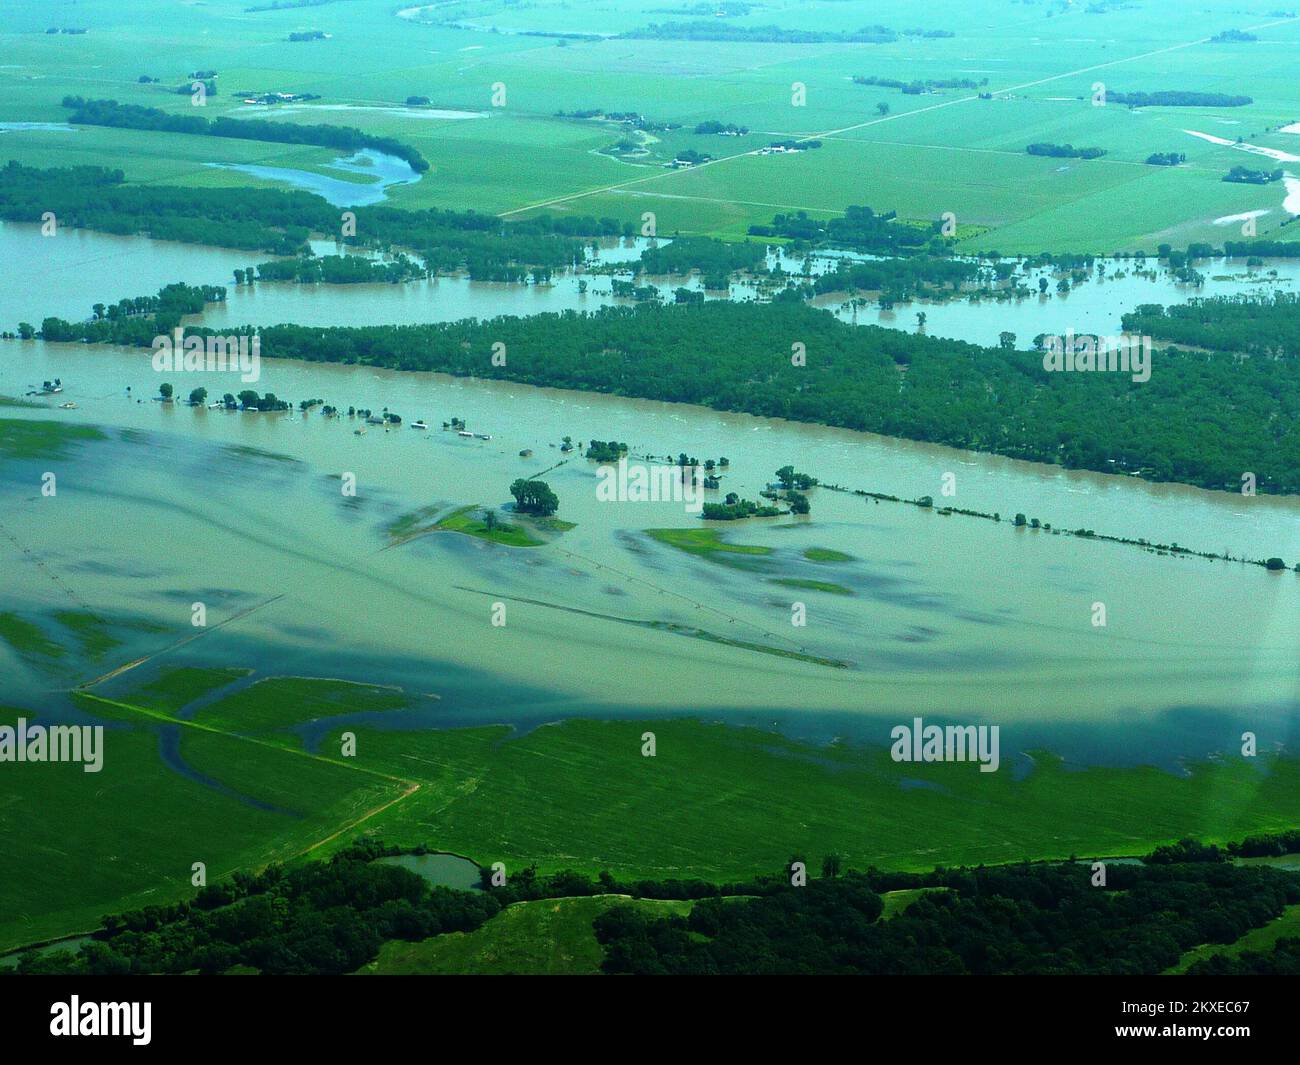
{"type": "Point", "coordinates": [1027, 919]}
{"type": "Point", "coordinates": [1065, 151]}
{"type": "Point", "coordinates": [280, 221]}
{"type": "Point", "coordinates": [716, 30]}
{"type": "Point", "coordinates": [859, 228]}
{"type": "Point", "coordinates": [1265, 325]}
{"type": "Point", "coordinates": [737, 357]}
{"type": "Point", "coordinates": [333, 916]}
{"type": "Point", "coordinates": [132, 116]}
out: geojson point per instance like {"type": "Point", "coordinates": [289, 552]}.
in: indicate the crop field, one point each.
{"type": "Point", "coordinates": [712, 804]}
{"type": "Point", "coordinates": [947, 150]}
{"type": "Point", "coordinates": [269, 806]}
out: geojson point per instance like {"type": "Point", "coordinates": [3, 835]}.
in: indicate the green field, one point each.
{"type": "Point", "coordinates": [128, 836]}
{"type": "Point", "coordinates": [947, 150]}
{"type": "Point", "coordinates": [468, 520]}
{"type": "Point", "coordinates": [1260, 940]}
{"type": "Point", "coordinates": [549, 937]}
{"type": "Point", "coordinates": [813, 586]}
{"type": "Point", "coordinates": [42, 439]}
{"type": "Point", "coordinates": [713, 803]}
{"type": "Point", "coordinates": [709, 544]}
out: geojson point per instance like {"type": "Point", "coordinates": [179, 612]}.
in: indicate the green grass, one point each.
{"type": "Point", "coordinates": [714, 802]}
{"type": "Point", "coordinates": [28, 639]}
{"type": "Point", "coordinates": [468, 521]}
{"type": "Point", "coordinates": [278, 703]}
{"type": "Point", "coordinates": [933, 153]}
{"type": "Point", "coordinates": [42, 439]}
{"type": "Point", "coordinates": [127, 836]}
{"type": "Point", "coordinates": [463, 520]}
{"type": "Point", "coordinates": [91, 636]}
{"type": "Point", "coordinates": [814, 586]}
{"type": "Point", "coordinates": [174, 689]}
{"type": "Point", "coordinates": [90, 631]}
{"type": "Point", "coordinates": [558, 525]}
{"type": "Point", "coordinates": [1261, 940]}
{"type": "Point", "coordinates": [826, 554]}
{"type": "Point", "coordinates": [898, 901]}
{"type": "Point", "coordinates": [708, 544]}
{"type": "Point", "coordinates": [547, 937]}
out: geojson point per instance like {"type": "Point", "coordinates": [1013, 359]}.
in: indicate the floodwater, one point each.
{"type": "Point", "coordinates": [80, 268]}
{"type": "Point", "coordinates": [383, 172]}
{"type": "Point", "coordinates": [950, 617]}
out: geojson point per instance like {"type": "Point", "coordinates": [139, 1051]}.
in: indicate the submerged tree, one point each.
{"type": "Point", "coordinates": [534, 497]}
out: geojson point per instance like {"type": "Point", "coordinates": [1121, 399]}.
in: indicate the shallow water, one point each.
{"type": "Point", "coordinates": [951, 617]}
{"type": "Point", "coordinates": [441, 870]}
{"type": "Point", "coordinates": [385, 171]}
{"type": "Point", "coordinates": [80, 268]}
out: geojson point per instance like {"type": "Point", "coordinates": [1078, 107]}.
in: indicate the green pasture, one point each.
{"type": "Point", "coordinates": [932, 153]}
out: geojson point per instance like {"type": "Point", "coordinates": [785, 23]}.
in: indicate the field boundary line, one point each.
{"type": "Point", "coordinates": [167, 719]}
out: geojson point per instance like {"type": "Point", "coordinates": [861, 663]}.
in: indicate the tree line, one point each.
{"type": "Point", "coordinates": [332, 917]}
{"type": "Point", "coordinates": [132, 116]}
{"type": "Point", "coordinates": [281, 221]}
{"type": "Point", "coordinates": [859, 228]}
{"type": "Point", "coordinates": [1025, 919]}
{"type": "Point", "coordinates": [1203, 418]}
{"type": "Point", "coordinates": [1265, 325]}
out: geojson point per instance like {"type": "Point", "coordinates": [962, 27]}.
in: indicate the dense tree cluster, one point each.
{"type": "Point", "coordinates": [321, 917]}
{"type": "Point", "coordinates": [1046, 918]}
{"type": "Point", "coordinates": [1202, 418]}
{"type": "Point", "coordinates": [534, 497]}
{"type": "Point", "coordinates": [132, 116]}
{"type": "Point", "coordinates": [734, 509]}
{"type": "Point", "coordinates": [859, 228]}
{"type": "Point", "coordinates": [1281, 249]}
{"type": "Point", "coordinates": [898, 279]}
{"type": "Point", "coordinates": [713, 126]}
{"type": "Point", "coordinates": [1264, 325]}
{"type": "Point", "coordinates": [1284, 960]}
{"type": "Point", "coordinates": [1177, 98]}
{"type": "Point", "coordinates": [1244, 175]}
{"type": "Point", "coordinates": [280, 221]}
{"type": "Point", "coordinates": [135, 322]}
{"type": "Point", "coordinates": [1065, 151]}
{"type": "Point", "coordinates": [606, 450]}
{"type": "Point", "coordinates": [339, 269]}
{"type": "Point", "coordinates": [1027, 919]}
{"type": "Point", "coordinates": [713, 258]}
